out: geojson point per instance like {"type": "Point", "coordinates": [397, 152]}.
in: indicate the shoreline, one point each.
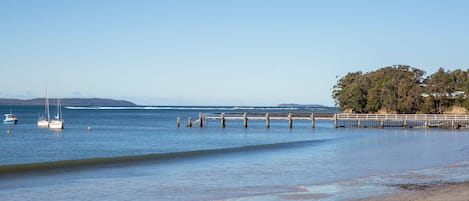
{"type": "Point", "coordinates": [447, 182]}
{"type": "Point", "coordinates": [454, 191]}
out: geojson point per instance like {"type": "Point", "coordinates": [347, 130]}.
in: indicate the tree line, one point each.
{"type": "Point", "coordinates": [402, 89]}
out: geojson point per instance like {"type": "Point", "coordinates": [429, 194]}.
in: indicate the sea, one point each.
{"type": "Point", "coordinates": [138, 153]}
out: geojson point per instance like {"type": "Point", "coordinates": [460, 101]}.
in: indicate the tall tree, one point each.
{"type": "Point", "coordinates": [350, 92]}
{"type": "Point", "coordinates": [439, 86]}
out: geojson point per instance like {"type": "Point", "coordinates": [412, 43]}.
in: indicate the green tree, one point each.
{"type": "Point", "coordinates": [439, 87]}
{"type": "Point", "coordinates": [460, 79]}
{"type": "Point", "coordinates": [350, 92]}
{"type": "Point", "coordinates": [392, 89]}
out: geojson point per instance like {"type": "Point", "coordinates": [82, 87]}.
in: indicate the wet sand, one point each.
{"type": "Point", "coordinates": [427, 192]}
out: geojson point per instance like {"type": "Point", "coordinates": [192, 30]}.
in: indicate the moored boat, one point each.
{"type": "Point", "coordinates": [10, 119]}
{"type": "Point", "coordinates": [43, 123]}
{"type": "Point", "coordinates": [56, 124]}
{"type": "Point", "coordinates": [58, 121]}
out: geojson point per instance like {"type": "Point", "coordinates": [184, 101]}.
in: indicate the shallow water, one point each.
{"type": "Point", "coordinates": [253, 163]}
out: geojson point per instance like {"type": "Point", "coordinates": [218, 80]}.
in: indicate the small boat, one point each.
{"type": "Point", "coordinates": [10, 119]}
{"type": "Point", "coordinates": [58, 121]}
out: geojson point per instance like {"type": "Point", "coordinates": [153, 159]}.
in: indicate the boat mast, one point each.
{"type": "Point", "coordinates": [60, 109]}
{"type": "Point", "coordinates": [57, 115]}
{"type": "Point", "coordinates": [46, 105]}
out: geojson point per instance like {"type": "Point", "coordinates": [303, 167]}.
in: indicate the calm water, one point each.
{"type": "Point", "coordinates": [253, 163]}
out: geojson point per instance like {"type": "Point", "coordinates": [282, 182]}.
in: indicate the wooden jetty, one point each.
{"type": "Point", "coordinates": [401, 120]}
{"type": "Point", "coordinates": [245, 117]}
{"type": "Point", "coordinates": [340, 120]}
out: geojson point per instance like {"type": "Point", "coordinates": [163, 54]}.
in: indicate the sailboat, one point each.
{"type": "Point", "coordinates": [43, 121]}
{"type": "Point", "coordinates": [58, 121]}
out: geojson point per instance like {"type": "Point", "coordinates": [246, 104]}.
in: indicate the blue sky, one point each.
{"type": "Point", "coordinates": [240, 52]}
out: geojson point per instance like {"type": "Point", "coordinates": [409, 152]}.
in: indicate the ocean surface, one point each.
{"type": "Point", "coordinates": [138, 153]}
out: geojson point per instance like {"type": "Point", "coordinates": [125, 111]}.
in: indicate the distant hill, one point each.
{"type": "Point", "coordinates": [69, 102]}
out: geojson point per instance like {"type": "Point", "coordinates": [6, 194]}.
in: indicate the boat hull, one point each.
{"type": "Point", "coordinates": [10, 121]}
{"type": "Point", "coordinates": [56, 124]}
{"type": "Point", "coordinates": [43, 123]}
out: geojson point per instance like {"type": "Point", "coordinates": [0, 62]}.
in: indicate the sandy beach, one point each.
{"type": "Point", "coordinates": [427, 192]}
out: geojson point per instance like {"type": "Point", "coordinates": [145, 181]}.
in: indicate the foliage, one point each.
{"type": "Point", "coordinates": [402, 89]}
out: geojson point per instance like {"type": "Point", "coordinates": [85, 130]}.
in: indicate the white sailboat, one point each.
{"type": "Point", "coordinates": [58, 121]}
{"type": "Point", "coordinates": [43, 121]}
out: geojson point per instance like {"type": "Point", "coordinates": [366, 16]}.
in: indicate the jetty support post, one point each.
{"type": "Point", "coordinates": [267, 120]}
{"type": "Point", "coordinates": [178, 122]}
{"type": "Point", "coordinates": [313, 123]}
{"type": "Point", "coordinates": [405, 122]}
{"type": "Point", "coordinates": [245, 118]}
{"type": "Point", "coordinates": [189, 122]}
{"type": "Point", "coordinates": [201, 120]}
{"type": "Point", "coordinates": [425, 123]}
{"type": "Point", "coordinates": [335, 121]}
{"type": "Point", "coordinates": [359, 125]}
{"type": "Point", "coordinates": [222, 120]}
{"type": "Point", "coordinates": [290, 120]}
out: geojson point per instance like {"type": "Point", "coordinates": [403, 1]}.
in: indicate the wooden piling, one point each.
{"type": "Point", "coordinates": [313, 123]}
{"type": "Point", "coordinates": [222, 120]}
{"type": "Point", "coordinates": [335, 121]}
{"type": "Point", "coordinates": [178, 122]}
{"type": "Point", "coordinates": [290, 120]}
{"type": "Point", "coordinates": [267, 120]}
{"type": "Point", "coordinates": [425, 124]}
{"type": "Point", "coordinates": [245, 118]}
{"type": "Point", "coordinates": [189, 122]}
{"type": "Point", "coordinates": [359, 123]}
{"type": "Point", "coordinates": [201, 120]}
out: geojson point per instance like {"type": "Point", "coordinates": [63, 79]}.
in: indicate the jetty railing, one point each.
{"type": "Point", "coordinates": [340, 120]}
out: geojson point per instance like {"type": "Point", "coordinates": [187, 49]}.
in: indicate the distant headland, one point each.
{"type": "Point", "coordinates": [69, 102]}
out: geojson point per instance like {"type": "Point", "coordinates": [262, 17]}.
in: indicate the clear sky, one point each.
{"type": "Point", "coordinates": [240, 52]}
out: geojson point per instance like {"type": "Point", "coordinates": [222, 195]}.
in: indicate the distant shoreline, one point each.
{"type": "Point", "coordinates": [103, 102]}
{"type": "Point", "coordinates": [67, 102]}
{"type": "Point", "coordinates": [300, 105]}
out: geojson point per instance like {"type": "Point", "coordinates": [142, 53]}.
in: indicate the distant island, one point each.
{"type": "Point", "coordinates": [69, 102]}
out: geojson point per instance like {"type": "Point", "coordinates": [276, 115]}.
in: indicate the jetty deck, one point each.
{"type": "Point", "coordinates": [340, 120]}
